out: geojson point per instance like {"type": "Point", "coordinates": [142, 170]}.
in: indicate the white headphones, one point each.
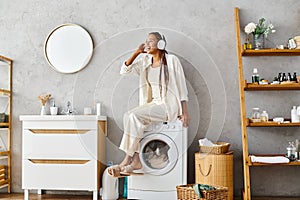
{"type": "Point", "coordinates": [162, 43]}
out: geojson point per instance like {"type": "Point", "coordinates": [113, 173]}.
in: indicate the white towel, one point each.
{"type": "Point", "coordinates": [206, 142]}
{"type": "Point", "coordinates": [269, 159]}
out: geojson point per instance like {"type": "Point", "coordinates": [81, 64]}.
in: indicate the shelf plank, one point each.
{"type": "Point", "coordinates": [4, 153]}
{"type": "Point", "coordinates": [292, 86]}
{"type": "Point", "coordinates": [5, 124]}
{"type": "Point", "coordinates": [272, 52]}
{"type": "Point", "coordinates": [5, 92]}
{"type": "Point", "coordinates": [272, 124]}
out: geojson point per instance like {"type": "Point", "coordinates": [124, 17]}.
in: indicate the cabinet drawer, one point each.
{"type": "Point", "coordinates": [53, 144]}
{"type": "Point", "coordinates": [55, 175]}
{"type": "Point", "coordinates": [60, 124]}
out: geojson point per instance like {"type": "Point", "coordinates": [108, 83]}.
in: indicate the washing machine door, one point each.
{"type": "Point", "coordinates": [158, 154]}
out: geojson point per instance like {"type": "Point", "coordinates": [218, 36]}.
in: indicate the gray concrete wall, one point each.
{"type": "Point", "coordinates": [200, 32]}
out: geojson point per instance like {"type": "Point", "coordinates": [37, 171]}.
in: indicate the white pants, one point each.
{"type": "Point", "coordinates": [135, 122]}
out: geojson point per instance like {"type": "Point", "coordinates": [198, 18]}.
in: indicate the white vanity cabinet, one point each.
{"type": "Point", "coordinates": [63, 152]}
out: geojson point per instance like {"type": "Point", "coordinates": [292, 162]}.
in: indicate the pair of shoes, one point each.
{"type": "Point", "coordinates": [128, 170]}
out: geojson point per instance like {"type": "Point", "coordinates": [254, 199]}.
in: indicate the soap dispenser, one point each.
{"type": "Point", "coordinates": [294, 116]}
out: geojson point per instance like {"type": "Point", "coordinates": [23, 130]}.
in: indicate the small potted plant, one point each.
{"type": "Point", "coordinates": [44, 99]}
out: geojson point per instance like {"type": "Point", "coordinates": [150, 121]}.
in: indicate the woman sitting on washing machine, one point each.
{"type": "Point", "coordinates": [162, 96]}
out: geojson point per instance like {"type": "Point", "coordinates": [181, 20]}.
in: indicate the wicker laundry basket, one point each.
{"type": "Point", "coordinates": [186, 192]}
{"type": "Point", "coordinates": [223, 147]}
{"type": "Point", "coordinates": [215, 169]}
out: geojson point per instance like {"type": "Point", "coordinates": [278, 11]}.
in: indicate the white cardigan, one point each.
{"type": "Point", "coordinates": [176, 92]}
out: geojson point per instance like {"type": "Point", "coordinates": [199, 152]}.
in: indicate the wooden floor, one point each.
{"type": "Point", "coordinates": [89, 197]}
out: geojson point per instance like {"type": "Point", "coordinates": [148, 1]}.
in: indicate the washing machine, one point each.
{"type": "Point", "coordinates": [163, 153]}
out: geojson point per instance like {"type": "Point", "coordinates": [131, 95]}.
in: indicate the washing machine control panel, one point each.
{"type": "Point", "coordinates": [165, 126]}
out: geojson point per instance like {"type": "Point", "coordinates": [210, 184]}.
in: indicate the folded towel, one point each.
{"type": "Point", "coordinates": [269, 159]}
{"type": "Point", "coordinates": [206, 142]}
{"type": "Point", "coordinates": [199, 187]}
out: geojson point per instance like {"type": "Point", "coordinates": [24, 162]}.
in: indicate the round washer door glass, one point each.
{"type": "Point", "coordinates": [158, 154]}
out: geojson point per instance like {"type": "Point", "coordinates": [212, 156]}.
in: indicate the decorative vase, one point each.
{"type": "Point", "coordinates": [43, 110]}
{"type": "Point", "coordinates": [258, 41]}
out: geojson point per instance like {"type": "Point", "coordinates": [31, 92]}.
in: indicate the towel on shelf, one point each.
{"type": "Point", "coordinates": [199, 187]}
{"type": "Point", "coordinates": [269, 159]}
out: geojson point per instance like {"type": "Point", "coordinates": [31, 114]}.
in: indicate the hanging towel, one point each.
{"type": "Point", "coordinates": [199, 187]}
{"type": "Point", "coordinates": [269, 159]}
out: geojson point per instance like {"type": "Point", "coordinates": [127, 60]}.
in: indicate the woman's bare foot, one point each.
{"type": "Point", "coordinates": [134, 165]}
{"type": "Point", "coordinates": [126, 161]}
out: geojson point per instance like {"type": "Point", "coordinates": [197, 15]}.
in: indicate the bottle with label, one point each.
{"type": "Point", "coordinates": [295, 77]}
{"type": "Point", "coordinates": [279, 77]}
{"type": "Point", "coordinates": [290, 151]}
{"type": "Point", "coordinates": [283, 78]}
{"type": "Point", "coordinates": [297, 149]}
{"type": "Point", "coordinates": [255, 76]}
{"type": "Point", "coordinates": [246, 43]}
{"type": "Point", "coordinates": [294, 116]}
{"type": "Point", "coordinates": [289, 77]}
{"type": "Point", "coordinates": [264, 117]}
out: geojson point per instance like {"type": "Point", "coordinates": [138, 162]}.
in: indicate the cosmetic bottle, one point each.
{"type": "Point", "coordinates": [291, 151]}
{"type": "Point", "coordinates": [294, 116]}
{"type": "Point", "coordinates": [295, 77]}
{"type": "Point", "coordinates": [255, 76]}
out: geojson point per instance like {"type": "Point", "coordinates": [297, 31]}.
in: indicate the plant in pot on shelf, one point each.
{"type": "Point", "coordinates": [259, 31]}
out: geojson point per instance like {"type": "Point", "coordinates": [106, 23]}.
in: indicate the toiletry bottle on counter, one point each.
{"type": "Point", "coordinates": [264, 117]}
{"type": "Point", "coordinates": [255, 76]}
{"type": "Point", "coordinates": [294, 116]}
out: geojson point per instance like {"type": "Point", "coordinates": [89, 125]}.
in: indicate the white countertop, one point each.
{"type": "Point", "coordinates": [62, 117]}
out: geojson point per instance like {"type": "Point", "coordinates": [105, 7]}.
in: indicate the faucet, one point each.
{"type": "Point", "coordinates": [68, 111]}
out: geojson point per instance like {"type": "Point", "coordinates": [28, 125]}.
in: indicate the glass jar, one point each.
{"type": "Point", "coordinates": [255, 115]}
{"type": "Point", "coordinates": [264, 117]}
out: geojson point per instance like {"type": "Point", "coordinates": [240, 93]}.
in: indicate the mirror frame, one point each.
{"type": "Point", "coordinates": [85, 63]}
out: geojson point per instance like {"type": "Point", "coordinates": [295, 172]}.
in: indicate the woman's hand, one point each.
{"type": "Point", "coordinates": [141, 48]}
{"type": "Point", "coordinates": [185, 118]}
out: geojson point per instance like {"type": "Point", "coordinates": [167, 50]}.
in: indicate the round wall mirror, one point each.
{"type": "Point", "coordinates": [68, 48]}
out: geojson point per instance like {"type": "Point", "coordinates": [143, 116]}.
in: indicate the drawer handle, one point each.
{"type": "Point", "coordinates": [58, 131]}
{"type": "Point", "coordinates": [40, 161]}
{"type": "Point", "coordinates": [205, 175]}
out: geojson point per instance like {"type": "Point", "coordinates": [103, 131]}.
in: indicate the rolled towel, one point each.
{"type": "Point", "coordinates": [269, 159]}
{"type": "Point", "coordinates": [199, 187]}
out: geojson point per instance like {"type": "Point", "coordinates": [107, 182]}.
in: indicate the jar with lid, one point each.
{"type": "Point", "coordinates": [255, 115]}
{"type": "Point", "coordinates": [291, 151]}
{"type": "Point", "coordinates": [264, 117]}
